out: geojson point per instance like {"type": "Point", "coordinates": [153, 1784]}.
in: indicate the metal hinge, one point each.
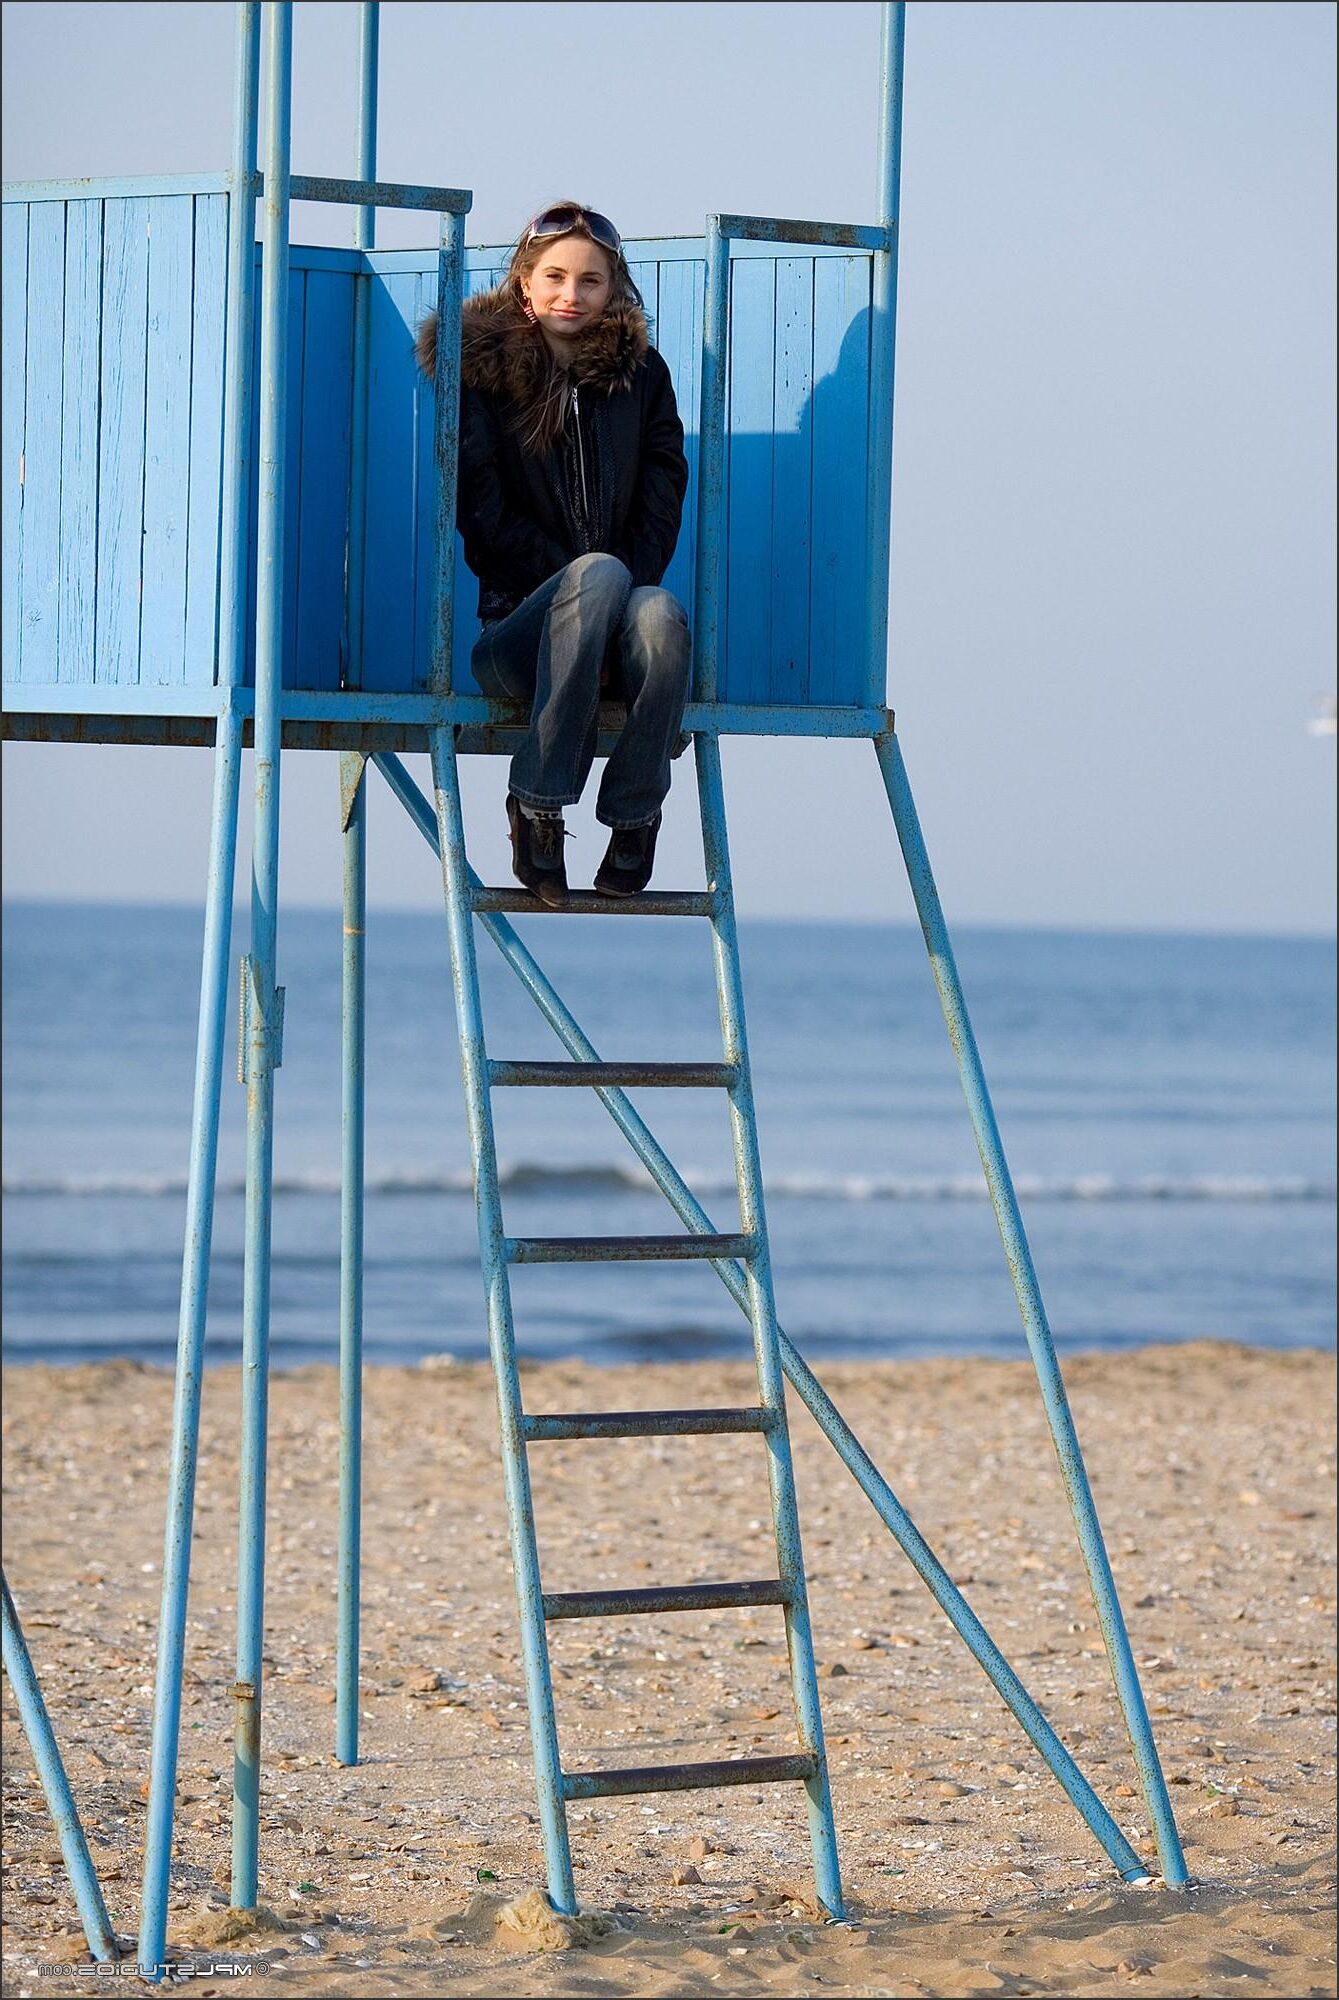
{"type": "Point", "coordinates": [267, 1038]}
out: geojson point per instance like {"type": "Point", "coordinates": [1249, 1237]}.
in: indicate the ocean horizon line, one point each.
{"type": "Point", "coordinates": [533, 1176]}
{"type": "Point", "coordinates": [1208, 934]}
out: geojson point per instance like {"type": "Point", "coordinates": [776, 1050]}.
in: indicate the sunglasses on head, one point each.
{"type": "Point", "coordinates": [559, 221]}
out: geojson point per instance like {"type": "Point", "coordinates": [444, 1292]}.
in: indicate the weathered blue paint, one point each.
{"type": "Point", "coordinates": [210, 1044]}
{"type": "Point", "coordinates": [78, 495]}
{"type": "Point", "coordinates": [446, 430]}
{"type": "Point", "coordinates": [39, 561]}
{"type": "Point", "coordinates": [261, 1053]}
{"type": "Point", "coordinates": [352, 715]}
{"type": "Point", "coordinates": [828, 235]}
{"type": "Point", "coordinates": [450, 840]}
{"type": "Point", "coordinates": [56, 1785]}
{"type": "Point", "coordinates": [352, 1151]}
{"type": "Point", "coordinates": [795, 530]}
{"type": "Point", "coordinates": [321, 510]}
{"type": "Point", "coordinates": [167, 391]}
{"type": "Point", "coordinates": [14, 224]}
{"type": "Point", "coordinates": [352, 1013]}
{"type": "Point", "coordinates": [1033, 1312]}
{"type": "Point", "coordinates": [799, 397]}
{"type": "Point", "coordinates": [825, 1413]}
{"type": "Point", "coordinates": [709, 564]}
{"type": "Point", "coordinates": [121, 439]}
{"type": "Point", "coordinates": [133, 186]}
{"type": "Point", "coordinates": [114, 398]}
{"type": "Point", "coordinates": [396, 538]}
{"type": "Point", "coordinates": [882, 342]}
{"type": "Point", "coordinates": [838, 482]}
{"type": "Point", "coordinates": [376, 194]}
{"type": "Point", "coordinates": [213, 1013]}
{"type": "Point", "coordinates": [211, 573]}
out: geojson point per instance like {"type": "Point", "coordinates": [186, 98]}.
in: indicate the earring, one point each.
{"type": "Point", "coordinates": [528, 309]}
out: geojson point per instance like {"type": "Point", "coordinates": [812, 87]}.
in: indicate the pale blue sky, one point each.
{"type": "Point", "coordinates": [1113, 513]}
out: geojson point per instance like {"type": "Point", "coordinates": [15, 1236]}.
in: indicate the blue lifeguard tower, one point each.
{"type": "Point", "coordinates": [226, 526]}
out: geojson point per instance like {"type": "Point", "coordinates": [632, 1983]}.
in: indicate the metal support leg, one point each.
{"type": "Point", "coordinates": [213, 1000]}
{"type": "Point", "coordinates": [191, 1339]}
{"type": "Point", "coordinates": [352, 769]}
{"type": "Point", "coordinates": [1028, 1293]}
{"type": "Point", "coordinates": [762, 1317]}
{"type": "Point", "coordinates": [820, 1405]}
{"type": "Point", "coordinates": [450, 839]}
{"type": "Point", "coordinates": [50, 1769]}
{"type": "Point", "coordinates": [262, 999]}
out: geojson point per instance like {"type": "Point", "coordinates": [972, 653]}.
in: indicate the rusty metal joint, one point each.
{"type": "Point", "coordinates": [260, 1037]}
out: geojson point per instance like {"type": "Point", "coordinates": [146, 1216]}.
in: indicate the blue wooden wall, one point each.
{"type": "Point", "coordinates": [113, 386]}
{"type": "Point", "coordinates": [113, 416]}
{"type": "Point", "coordinates": [797, 414]}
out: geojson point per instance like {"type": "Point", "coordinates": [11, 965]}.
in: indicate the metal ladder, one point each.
{"type": "Point", "coordinates": [538, 1608]}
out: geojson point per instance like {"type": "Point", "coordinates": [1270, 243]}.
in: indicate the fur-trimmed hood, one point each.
{"type": "Point", "coordinates": [504, 354]}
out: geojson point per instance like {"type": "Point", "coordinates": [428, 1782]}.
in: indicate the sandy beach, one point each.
{"type": "Point", "coordinates": [967, 1870]}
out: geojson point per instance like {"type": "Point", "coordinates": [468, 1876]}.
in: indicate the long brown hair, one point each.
{"type": "Point", "coordinates": [552, 408]}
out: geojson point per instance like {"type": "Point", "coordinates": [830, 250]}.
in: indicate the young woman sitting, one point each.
{"type": "Point", "coordinates": [572, 479]}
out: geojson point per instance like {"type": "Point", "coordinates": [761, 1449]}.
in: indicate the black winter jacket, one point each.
{"type": "Point", "coordinates": [615, 479]}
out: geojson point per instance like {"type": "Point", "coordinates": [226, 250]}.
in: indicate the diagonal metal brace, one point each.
{"type": "Point", "coordinates": [821, 1407]}
{"type": "Point", "coordinates": [36, 1722]}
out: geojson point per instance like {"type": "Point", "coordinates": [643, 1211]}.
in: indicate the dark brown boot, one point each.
{"type": "Point", "coordinates": [537, 852]}
{"type": "Point", "coordinates": [628, 859]}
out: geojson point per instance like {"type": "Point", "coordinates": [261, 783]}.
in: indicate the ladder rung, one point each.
{"type": "Point", "coordinates": [629, 1075]}
{"type": "Point", "coordinates": [644, 1423]}
{"type": "Point", "coordinates": [686, 1777]}
{"type": "Point", "coordinates": [675, 1597]}
{"type": "Point", "coordinates": [585, 903]}
{"type": "Point", "coordinates": [614, 1249]}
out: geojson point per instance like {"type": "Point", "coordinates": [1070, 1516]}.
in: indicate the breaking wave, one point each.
{"type": "Point", "coordinates": [532, 1177]}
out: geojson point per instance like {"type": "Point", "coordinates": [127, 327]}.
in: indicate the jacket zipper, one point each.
{"type": "Point", "coordinates": [581, 460]}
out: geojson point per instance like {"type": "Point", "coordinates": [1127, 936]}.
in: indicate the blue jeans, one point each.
{"type": "Point", "coordinates": [550, 652]}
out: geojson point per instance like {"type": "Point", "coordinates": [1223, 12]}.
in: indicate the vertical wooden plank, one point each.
{"type": "Point", "coordinates": [792, 530]}
{"type": "Point", "coordinates": [680, 285]}
{"type": "Point", "coordinates": [478, 278]}
{"type": "Point", "coordinates": [299, 279]}
{"type": "Point", "coordinates": [840, 451]}
{"type": "Point", "coordinates": [121, 437]}
{"type": "Point", "coordinates": [79, 440]}
{"type": "Point", "coordinates": [39, 559]}
{"type": "Point", "coordinates": [14, 245]}
{"type": "Point", "coordinates": [392, 481]}
{"type": "Point", "coordinates": [646, 277]}
{"type": "Point", "coordinates": [209, 315]}
{"type": "Point", "coordinates": [167, 441]}
{"type": "Point", "coordinates": [465, 621]}
{"type": "Point", "coordinates": [748, 622]}
{"type": "Point", "coordinates": [297, 297]}
{"type": "Point", "coordinates": [326, 413]}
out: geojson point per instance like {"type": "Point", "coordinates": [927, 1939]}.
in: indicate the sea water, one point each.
{"type": "Point", "coordinates": [1166, 1104]}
